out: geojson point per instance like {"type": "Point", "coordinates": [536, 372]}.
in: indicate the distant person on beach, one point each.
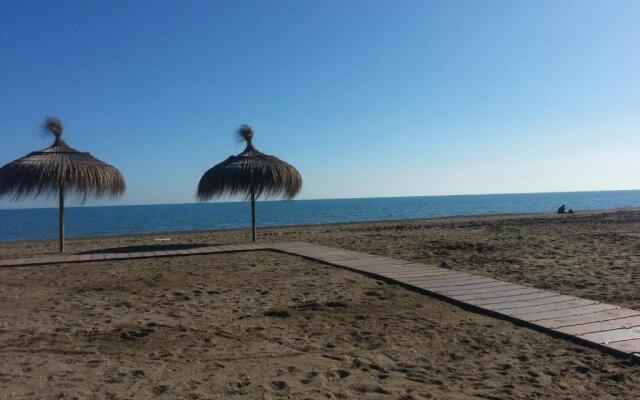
{"type": "Point", "coordinates": [571, 211]}
{"type": "Point", "coordinates": [562, 209]}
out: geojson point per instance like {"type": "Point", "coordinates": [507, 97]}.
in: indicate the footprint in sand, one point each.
{"type": "Point", "coordinates": [279, 385]}
{"type": "Point", "coordinates": [276, 314]}
{"type": "Point", "coordinates": [240, 386]}
{"type": "Point", "coordinates": [309, 376]}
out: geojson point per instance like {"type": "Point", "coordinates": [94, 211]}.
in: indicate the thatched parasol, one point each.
{"type": "Point", "coordinates": [60, 169]}
{"type": "Point", "coordinates": [252, 174]}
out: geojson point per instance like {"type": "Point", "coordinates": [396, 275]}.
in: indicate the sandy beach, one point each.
{"type": "Point", "coordinates": [464, 176]}
{"type": "Point", "coordinates": [593, 255]}
{"type": "Point", "coordinates": [262, 325]}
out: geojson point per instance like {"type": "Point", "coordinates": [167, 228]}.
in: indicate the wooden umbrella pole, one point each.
{"type": "Point", "coordinates": [253, 214]}
{"type": "Point", "coordinates": [61, 218]}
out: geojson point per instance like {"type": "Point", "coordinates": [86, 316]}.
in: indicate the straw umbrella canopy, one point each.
{"type": "Point", "coordinates": [59, 170]}
{"type": "Point", "coordinates": [251, 174]}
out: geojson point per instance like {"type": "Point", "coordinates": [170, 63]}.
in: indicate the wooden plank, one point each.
{"type": "Point", "coordinates": [517, 297]}
{"type": "Point", "coordinates": [401, 268]}
{"type": "Point", "coordinates": [616, 335]}
{"type": "Point", "coordinates": [404, 274]}
{"type": "Point", "coordinates": [97, 257]}
{"type": "Point", "coordinates": [566, 305]}
{"type": "Point", "coordinates": [398, 270]}
{"type": "Point", "coordinates": [628, 346]}
{"type": "Point", "coordinates": [477, 289]}
{"type": "Point", "coordinates": [211, 250]}
{"type": "Point", "coordinates": [222, 249]}
{"type": "Point", "coordinates": [44, 260]}
{"type": "Point", "coordinates": [412, 280]}
{"type": "Point", "coordinates": [198, 250]}
{"type": "Point", "coordinates": [218, 249]}
{"type": "Point", "coordinates": [440, 285]}
{"type": "Point", "coordinates": [344, 253]}
{"type": "Point", "coordinates": [585, 319]}
{"type": "Point", "coordinates": [379, 262]}
{"type": "Point", "coordinates": [408, 268]}
{"type": "Point", "coordinates": [435, 278]}
{"type": "Point", "coordinates": [416, 274]}
{"type": "Point", "coordinates": [521, 304]}
{"type": "Point", "coordinates": [566, 313]}
{"type": "Point", "coordinates": [417, 280]}
{"type": "Point", "coordinates": [27, 261]}
{"type": "Point", "coordinates": [504, 291]}
{"type": "Point", "coordinates": [443, 277]}
{"type": "Point", "coordinates": [620, 323]}
{"type": "Point", "coordinates": [340, 257]}
{"type": "Point", "coordinates": [419, 274]}
{"type": "Point", "coordinates": [252, 246]}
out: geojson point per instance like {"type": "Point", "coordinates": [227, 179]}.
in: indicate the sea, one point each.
{"type": "Point", "coordinates": [41, 223]}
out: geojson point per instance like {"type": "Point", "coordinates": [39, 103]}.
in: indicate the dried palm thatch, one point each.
{"type": "Point", "coordinates": [251, 174]}
{"type": "Point", "coordinates": [59, 170]}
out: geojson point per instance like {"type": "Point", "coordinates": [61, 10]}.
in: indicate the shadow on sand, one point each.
{"type": "Point", "coordinates": [149, 247]}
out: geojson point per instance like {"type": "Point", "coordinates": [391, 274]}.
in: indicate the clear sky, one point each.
{"type": "Point", "coordinates": [365, 98]}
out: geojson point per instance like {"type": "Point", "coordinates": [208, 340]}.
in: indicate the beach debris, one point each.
{"type": "Point", "coordinates": [444, 264]}
{"type": "Point", "coordinates": [162, 239]}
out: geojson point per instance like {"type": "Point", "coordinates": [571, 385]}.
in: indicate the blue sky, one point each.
{"type": "Point", "coordinates": [366, 98]}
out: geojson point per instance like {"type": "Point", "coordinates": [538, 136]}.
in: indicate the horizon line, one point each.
{"type": "Point", "coordinates": [326, 198]}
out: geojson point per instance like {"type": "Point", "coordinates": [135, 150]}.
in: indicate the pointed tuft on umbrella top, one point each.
{"type": "Point", "coordinates": [245, 134]}
{"type": "Point", "coordinates": [53, 125]}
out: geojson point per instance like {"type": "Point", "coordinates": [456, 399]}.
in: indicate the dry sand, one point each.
{"type": "Point", "coordinates": [263, 325]}
{"type": "Point", "coordinates": [591, 255]}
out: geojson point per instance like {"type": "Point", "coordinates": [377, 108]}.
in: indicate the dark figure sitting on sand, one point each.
{"type": "Point", "coordinates": [562, 209]}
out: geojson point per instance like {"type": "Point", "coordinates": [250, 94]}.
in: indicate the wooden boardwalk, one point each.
{"type": "Point", "coordinates": [604, 326]}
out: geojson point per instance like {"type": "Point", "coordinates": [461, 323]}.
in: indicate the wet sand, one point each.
{"type": "Point", "coordinates": [264, 325]}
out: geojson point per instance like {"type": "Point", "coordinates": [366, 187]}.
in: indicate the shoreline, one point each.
{"type": "Point", "coordinates": [330, 224]}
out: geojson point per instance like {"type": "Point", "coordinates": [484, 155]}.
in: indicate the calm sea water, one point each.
{"type": "Point", "coordinates": [94, 221]}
